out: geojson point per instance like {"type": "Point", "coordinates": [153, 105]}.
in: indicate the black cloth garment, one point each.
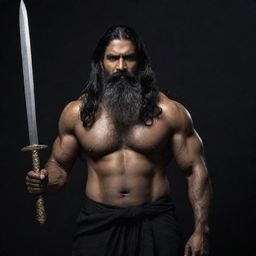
{"type": "Point", "coordinates": [146, 230]}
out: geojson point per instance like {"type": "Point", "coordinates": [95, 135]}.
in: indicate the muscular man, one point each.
{"type": "Point", "coordinates": [127, 132]}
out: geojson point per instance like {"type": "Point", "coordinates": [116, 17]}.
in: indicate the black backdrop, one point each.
{"type": "Point", "coordinates": [202, 51]}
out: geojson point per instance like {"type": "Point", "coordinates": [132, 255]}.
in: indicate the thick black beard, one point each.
{"type": "Point", "coordinates": [122, 97]}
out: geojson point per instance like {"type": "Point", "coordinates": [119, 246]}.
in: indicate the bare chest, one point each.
{"type": "Point", "coordinates": [104, 138]}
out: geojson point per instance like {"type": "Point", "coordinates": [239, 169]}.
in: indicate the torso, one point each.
{"type": "Point", "coordinates": [126, 168]}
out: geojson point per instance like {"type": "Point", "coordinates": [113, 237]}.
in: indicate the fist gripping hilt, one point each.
{"type": "Point", "coordinates": [40, 209]}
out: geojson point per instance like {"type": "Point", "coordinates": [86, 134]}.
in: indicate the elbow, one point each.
{"type": "Point", "coordinates": [198, 171]}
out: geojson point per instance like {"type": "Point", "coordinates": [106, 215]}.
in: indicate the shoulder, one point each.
{"type": "Point", "coordinates": [176, 115]}
{"type": "Point", "coordinates": [70, 115]}
{"type": "Point", "coordinates": [72, 108]}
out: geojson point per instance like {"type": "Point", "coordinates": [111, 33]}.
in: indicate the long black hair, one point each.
{"type": "Point", "coordinates": [91, 94]}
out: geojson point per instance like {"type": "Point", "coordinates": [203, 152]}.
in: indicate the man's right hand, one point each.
{"type": "Point", "coordinates": [37, 181]}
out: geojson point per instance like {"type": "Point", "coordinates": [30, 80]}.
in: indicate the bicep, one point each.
{"type": "Point", "coordinates": [186, 144]}
{"type": "Point", "coordinates": [66, 146]}
{"type": "Point", "coordinates": [187, 149]}
{"type": "Point", "coordinates": [65, 150]}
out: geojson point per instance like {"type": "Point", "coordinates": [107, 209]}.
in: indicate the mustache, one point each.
{"type": "Point", "coordinates": [122, 75]}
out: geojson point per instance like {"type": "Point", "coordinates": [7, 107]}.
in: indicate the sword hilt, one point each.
{"type": "Point", "coordinates": [40, 209]}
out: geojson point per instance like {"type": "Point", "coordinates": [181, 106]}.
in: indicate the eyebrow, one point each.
{"type": "Point", "coordinates": [129, 55]}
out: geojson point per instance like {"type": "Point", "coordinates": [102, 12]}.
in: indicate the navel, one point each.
{"type": "Point", "coordinates": [124, 192]}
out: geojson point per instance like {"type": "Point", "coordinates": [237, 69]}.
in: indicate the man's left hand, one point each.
{"type": "Point", "coordinates": [197, 245]}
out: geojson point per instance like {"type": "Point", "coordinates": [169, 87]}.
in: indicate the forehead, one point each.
{"type": "Point", "coordinates": [120, 46]}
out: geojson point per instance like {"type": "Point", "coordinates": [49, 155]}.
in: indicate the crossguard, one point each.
{"type": "Point", "coordinates": [40, 209]}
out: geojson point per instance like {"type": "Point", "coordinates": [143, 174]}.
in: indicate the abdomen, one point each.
{"type": "Point", "coordinates": [125, 178]}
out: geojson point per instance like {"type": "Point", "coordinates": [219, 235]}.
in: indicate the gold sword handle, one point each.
{"type": "Point", "coordinates": [35, 160]}
{"type": "Point", "coordinates": [40, 209]}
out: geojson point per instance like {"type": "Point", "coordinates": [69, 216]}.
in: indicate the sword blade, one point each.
{"type": "Point", "coordinates": [28, 74]}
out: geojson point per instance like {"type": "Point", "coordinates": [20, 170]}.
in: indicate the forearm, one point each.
{"type": "Point", "coordinates": [57, 176]}
{"type": "Point", "coordinates": [199, 190]}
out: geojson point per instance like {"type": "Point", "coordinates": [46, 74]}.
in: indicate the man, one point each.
{"type": "Point", "coordinates": [127, 132]}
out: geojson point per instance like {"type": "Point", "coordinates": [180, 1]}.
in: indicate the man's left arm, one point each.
{"type": "Point", "coordinates": [187, 148]}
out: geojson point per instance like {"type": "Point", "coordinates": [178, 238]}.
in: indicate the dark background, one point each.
{"type": "Point", "coordinates": [202, 51]}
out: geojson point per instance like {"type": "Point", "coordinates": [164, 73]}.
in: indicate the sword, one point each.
{"type": "Point", "coordinates": [34, 147]}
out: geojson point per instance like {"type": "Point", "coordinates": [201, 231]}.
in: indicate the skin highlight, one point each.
{"type": "Point", "coordinates": [127, 169]}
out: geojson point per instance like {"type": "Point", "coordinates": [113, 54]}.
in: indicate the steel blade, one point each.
{"type": "Point", "coordinates": [28, 74]}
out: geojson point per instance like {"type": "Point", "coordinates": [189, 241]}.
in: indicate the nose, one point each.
{"type": "Point", "coordinates": [121, 65]}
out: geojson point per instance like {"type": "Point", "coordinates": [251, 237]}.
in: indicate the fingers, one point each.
{"type": "Point", "coordinates": [187, 251]}
{"type": "Point", "coordinates": [43, 174]}
{"type": "Point", "coordinates": [33, 190]}
{"type": "Point", "coordinates": [37, 175]}
{"type": "Point", "coordinates": [35, 181]}
{"type": "Point", "coordinates": [33, 185]}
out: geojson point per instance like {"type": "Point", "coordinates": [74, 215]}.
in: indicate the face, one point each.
{"type": "Point", "coordinates": [119, 55]}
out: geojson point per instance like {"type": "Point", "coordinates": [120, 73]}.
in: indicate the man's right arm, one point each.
{"type": "Point", "coordinates": [64, 152]}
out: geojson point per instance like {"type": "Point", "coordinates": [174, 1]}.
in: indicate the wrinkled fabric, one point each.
{"type": "Point", "coordinates": [146, 230]}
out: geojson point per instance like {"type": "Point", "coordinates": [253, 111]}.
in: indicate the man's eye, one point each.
{"type": "Point", "coordinates": [130, 57]}
{"type": "Point", "coordinates": [112, 58]}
